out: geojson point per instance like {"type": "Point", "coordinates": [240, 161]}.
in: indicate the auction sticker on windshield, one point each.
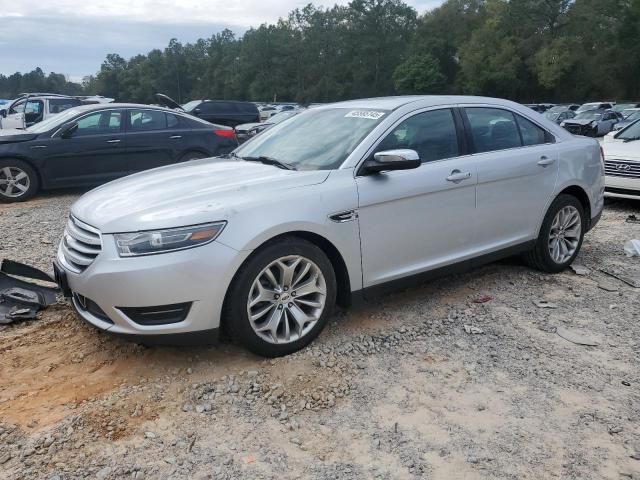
{"type": "Point", "coordinates": [371, 115]}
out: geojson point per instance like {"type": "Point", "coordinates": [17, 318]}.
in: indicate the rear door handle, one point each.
{"type": "Point", "coordinates": [545, 161]}
{"type": "Point", "coordinates": [457, 176]}
{"type": "Point", "coordinates": [113, 141]}
{"type": "Point", "coordinates": [175, 136]}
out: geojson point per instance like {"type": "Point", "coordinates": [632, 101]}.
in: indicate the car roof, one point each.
{"type": "Point", "coordinates": [393, 103]}
{"type": "Point", "coordinates": [115, 106]}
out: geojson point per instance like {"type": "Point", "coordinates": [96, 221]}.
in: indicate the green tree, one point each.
{"type": "Point", "coordinates": [419, 74]}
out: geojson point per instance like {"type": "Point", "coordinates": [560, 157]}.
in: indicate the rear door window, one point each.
{"type": "Point", "coordinates": [147, 120]}
{"type": "Point", "coordinates": [432, 134]}
{"type": "Point", "coordinates": [58, 105]}
{"type": "Point", "coordinates": [493, 129]}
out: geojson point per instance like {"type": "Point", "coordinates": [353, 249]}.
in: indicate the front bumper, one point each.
{"type": "Point", "coordinates": [198, 276]}
{"type": "Point", "coordinates": [576, 129]}
{"type": "Point", "coordinates": [622, 187]}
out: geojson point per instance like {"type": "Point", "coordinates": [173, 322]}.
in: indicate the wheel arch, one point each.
{"type": "Point", "coordinates": [579, 193]}
{"type": "Point", "coordinates": [29, 162]}
{"type": "Point", "coordinates": [343, 294]}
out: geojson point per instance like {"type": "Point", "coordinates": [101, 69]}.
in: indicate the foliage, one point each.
{"type": "Point", "coordinates": [526, 50]}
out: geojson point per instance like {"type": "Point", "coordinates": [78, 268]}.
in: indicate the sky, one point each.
{"type": "Point", "coordinates": [73, 37]}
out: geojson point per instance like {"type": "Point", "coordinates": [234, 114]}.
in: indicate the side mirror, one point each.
{"type": "Point", "coordinates": [392, 160]}
{"type": "Point", "coordinates": [67, 130]}
{"type": "Point", "coordinates": [3, 113]}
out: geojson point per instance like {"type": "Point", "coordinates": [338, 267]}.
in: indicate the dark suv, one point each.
{"type": "Point", "coordinates": [221, 112]}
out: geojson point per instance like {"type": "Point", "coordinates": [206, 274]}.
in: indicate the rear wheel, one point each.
{"type": "Point", "coordinates": [18, 181]}
{"type": "Point", "coordinates": [560, 237]}
{"type": "Point", "coordinates": [282, 298]}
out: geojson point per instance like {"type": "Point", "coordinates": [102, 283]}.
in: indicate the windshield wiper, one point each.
{"type": "Point", "coordinates": [269, 161]}
{"type": "Point", "coordinates": [630, 139]}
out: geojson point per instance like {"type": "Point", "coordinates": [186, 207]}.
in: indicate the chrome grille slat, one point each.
{"type": "Point", "coordinates": [629, 169]}
{"type": "Point", "coordinates": [81, 244]}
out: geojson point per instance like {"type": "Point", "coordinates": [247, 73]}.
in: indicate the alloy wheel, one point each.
{"type": "Point", "coordinates": [14, 182]}
{"type": "Point", "coordinates": [564, 235]}
{"type": "Point", "coordinates": [286, 299]}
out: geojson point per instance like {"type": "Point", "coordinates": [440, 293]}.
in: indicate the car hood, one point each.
{"type": "Point", "coordinates": [14, 135]}
{"type": "Point", "coordinates": [187, 194]}
{"type": "Point", "coordinates": [245, 127]}
{"type": "Point", "coordinates": [579, 122]}
{"type": "Point", "coordinates": [622, 150]}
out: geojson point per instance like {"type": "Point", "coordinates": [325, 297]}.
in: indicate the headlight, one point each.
{"type": "Point", "coordinates": [593, 124]}
{"type": "Point", "coordinates": [161, 241]}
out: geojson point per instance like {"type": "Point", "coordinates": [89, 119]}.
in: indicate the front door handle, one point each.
{"type": "Point", "coordinates": [457, 176]}
{"type": "Point", "coordinates": [175, 136]}
{"type": "Point", "coordinates": [113, 141]}
{"type": "Point", "coordinates": [545, 161]}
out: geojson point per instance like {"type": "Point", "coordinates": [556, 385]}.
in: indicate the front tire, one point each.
{"type": "Point", "coordinates": [18, 181]}
{"type": "Point", "coordinates": [281, 298]}
{"type": "Point", "coordinates": [560, 237]}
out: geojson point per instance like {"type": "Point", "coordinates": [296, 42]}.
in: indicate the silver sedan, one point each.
{"type": "Point", "coordinates": [339, 201]}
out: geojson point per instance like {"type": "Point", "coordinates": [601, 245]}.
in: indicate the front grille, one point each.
{"type": "Point", "coordinates": [622, 168]}
{"type": "Point", "coordinates": [577, 129]}
{"type": "Point", "coordinates": [81, 244]}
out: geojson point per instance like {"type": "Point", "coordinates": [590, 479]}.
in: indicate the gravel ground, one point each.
{"type": "Point", "coordinates": [466, 377]}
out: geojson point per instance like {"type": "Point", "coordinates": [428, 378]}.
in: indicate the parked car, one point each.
{"type": "Point", "coordinates": [622, 162]}
{"type": "Point", "coordinates": [248, 130]}
{"type": "Point", "coordinates": [629, 116]}
{"type": "Point", "coordinates": [220, 112]}
{"type": "Point", "coordinates": [339, 201]}
{"type": "Point", "coordinates": [559, 114]}
{"type": "Point", "coordinates": [539, 107]}
{"type": "Point", "coordinates": [621, 107]}
{"type": "Point", "coordinates": [93, 144]}
{"type": "Point", "coordinates": [266, 112]}
{"type": "Point", "coordinates": [594, 106]}
{"type": "Point", "coordinates": [30, 109]}
{"type": "Point", "coordinates": [592, 123]}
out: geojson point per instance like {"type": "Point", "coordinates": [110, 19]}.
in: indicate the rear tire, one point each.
{"type": "Point", "coordinates": [560, 237]}
{"type": "Point", "coordinates": [18, 181]}
{"type": "Point", "coordinates": [297, 306]}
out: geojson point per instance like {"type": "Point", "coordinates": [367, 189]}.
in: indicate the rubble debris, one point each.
{"type": "Point", "coordinates": [483, 299]}
{"type": "Point", "coordinates": [473, 330]}
{"type": "Point", "coordinates": [633, 281]}
{"type": "Point", "coordinates": [577, 338]}
{"type": "Point", "coordinates": [19, 299]}
{"type": "Point", "coordinates": [580, 269]}
{"type": "Point", "coordinates": [632, 219]}
{"type": "Point", "coordinates": [544, 304]}
{"type": "Point", "coordinates": [632, 248]}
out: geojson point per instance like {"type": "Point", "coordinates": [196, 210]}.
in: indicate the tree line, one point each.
{"type": "Point", "coordinates": [525, 50]}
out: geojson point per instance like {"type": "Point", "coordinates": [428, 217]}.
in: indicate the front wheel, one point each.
{"type": "Point", "coordinates": [282, 298]}
{"type": "Point", "coordinates": [18, 181]}
{"type": "Point", "coordinates": [560, 237]}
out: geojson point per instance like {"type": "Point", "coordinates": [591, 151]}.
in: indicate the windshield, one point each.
{"type": "Point", "coordinates": [622, 106]}
{"type": "Point", "coordinates": [632, 117]}
{"type": "Point", "coordinates": [588, 115]}
{"type": "Point", "coordinates": [588, 106]}
{"type": "Point", "coordinates": [191, 105]}
{"type": "Point", "coordinates": [54, 121]}
{"type": "Point", "coordinates": [557, 109]}
{"type": "Point", "coordinates": [316, 139]}
{"type": "Point", "coordinates": [628, 112]}
{"type": "Point", "coordinates": [552, 115]}
{"type": "Point", "coordinates": [632, 132]}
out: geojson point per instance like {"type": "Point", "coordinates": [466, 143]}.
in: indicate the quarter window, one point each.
{"type": "Point", "coordinates": [432, 134]}
{"type": "Point", "coordinates": [99, 123]}
{"type": "Point", "coordinates": [531, 133]}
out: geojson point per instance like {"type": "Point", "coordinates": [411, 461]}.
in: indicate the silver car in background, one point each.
{"type": "Point", "coordinates": [340, 201]}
